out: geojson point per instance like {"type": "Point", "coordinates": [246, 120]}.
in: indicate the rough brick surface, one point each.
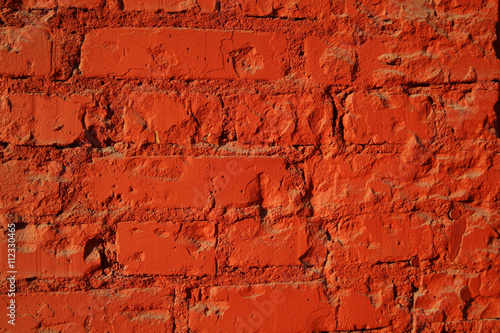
{"type": "Point", "coordinates": [155, 248]}
{"type": "Point", "coordinates": [45, 251]}
{"type": "Point", "coordinates": [49, 4]}
{"type": "Point", "coordinates": [25, 51]}
{"type": "Point", "coordinates": [129, 310]}
{"type": "Point", "coordinates": [183, 53]}
{"type": "Point", "coordinates": [281, 308]}
{"type": "Point", "coordinates": [291, 9]}
{"type": "Point", "coordinates": [29, 189]}
{"type": "Point", "coordinates": [249, 166]}
{"type": "Point", "coordinates": [292, 118]}
{"type": "Point", "coordinates": [179, 182]}
{"type": "Point", "coordinates": [256, 245]}
{"type": "Point", "coordinates": [42, 120]}
{"type": "Point", "coordinates": [169, 5]}
{"type": "Point", "coordinates": [167, 118]}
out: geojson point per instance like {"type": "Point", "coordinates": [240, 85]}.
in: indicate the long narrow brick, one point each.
{"type": "Point", "coordinates": [383, 238]}
{"type": "Point", "coordinates": [49, 4]}
{"type": "Point", "coordinates": [106, 310]}
{"type": "Point", "coordinates": [43, 120]}
{"type": "Point", "coordinates": [169, 5]}
{"type": "Point", "coordinates": [292, 8]}
{"type": "Point", "coordinates": [280, 307]}
{"type": "Point", "coordinates": [182, 182]}
{"type": "Point", "coordinates": [183, 53]}
{"type": "Point", "coordinates": [384, 61]}
{"type": "Point", "coordinates": [25, 52]}
{"type": "Point", "coordinates": [166, 248]}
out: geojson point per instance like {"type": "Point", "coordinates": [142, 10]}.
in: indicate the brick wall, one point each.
{"type": "Point", "coordinates": [250, 165]}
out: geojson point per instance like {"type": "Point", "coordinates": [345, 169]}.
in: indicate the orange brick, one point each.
{"type": "Point", "coordinates": [183, 53]}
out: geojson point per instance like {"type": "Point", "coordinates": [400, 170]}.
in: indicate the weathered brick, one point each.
{"type": "Point", "coordinates": [411, 175]}
{"type": "Point", "coordinates": [269, 308]}
{"type": "Point", "coordinates": [259, 245]}
{"type": "Point", "coordinates": [25, 52]}
{"type": "Point", "coordinates": [183, 53]}
{"type": "Point", "coordinates": [280, 307]}
{"type": "Point", "coordinates": [372, 178]}
{"type": "Point", "coordinates": [169, 118]}
{"type": "Point", "coordinates": [43, 251]}
{"type": "Point", "coordinates": [126, 310]}
{"type": "Point", "coordinates": [439, 299]}
{"type": "Point", "coordinates": [291, 8]}
{"type": "Point", "coordinates": [330, 61]}
{"type": "Point", "coordinates": [384, 61]}
{"type": "Point", "coordinates": [471, 114]}
{"type": "Point", "coordinates": [43, 120]}
{"type": "Point", "coordinates": [48, 4]}
{"type": "Point", "coordinates": [379, 117]}
{"type": "Point", "coordinates": [358, 312]}
{"type": "Point", "coordinates": [170, 5]}
{"type": "Point", "coordinates": [166, 248]}
{"type": "Point", "coordinates": [389, 9]}
{"type": "Point", "coordinates": [471, 238]}
{"type": "Point", "coordinates": [384, 238]}
{"type": "Point", "coordinates": [182, 182]}
{"type": "Point", "coordinates": [291, 119]}
{"type": "Point", "coordinates": [30, 190]}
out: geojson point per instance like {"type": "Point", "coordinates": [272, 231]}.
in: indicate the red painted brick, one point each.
{"type": "Point", "coordinates": [332, 61]}
{"type": "Point", "coordinates": [48, 4]}
{"type": "Point", "coordinates": [357, 312]}
{"type": "Point", "coordinates": [380, 117]}
{"type": "Point", "coordinates": [44, 251]}
{"type": "Point", "coordinates": [166, 248]}
{"type": "Point", "coordinates": [267, 308]}
{"type": "Point", "coordinates": [462, 7]}
{"type": "Point", "coordinates": [183, 53]}
{"type": "Point", "coordinates": [170, 118]}
{"type": "Point", "coordinates": [389, 9]}
{"type": "Point", "coordinates": [471, 237]}
{"type": "Point", "coordinates": [292, 9]}
{"type": "Point", "coordinates": [292, 119]}
{"type": "Point", "coordinates": [471, 114]}
{"type": "Point", "coordinates": [105, 310]}
{"type": "Point", "coordinates": [30, 190]}
{"type": "Point", "coordinates": [438, 299]}
{"type": "Point", "coordinates": [25, 52]}
{"type": "Point", "coordinates": [42, 120]}
{"type": "Point", "coordinates": [180, 182]}
{"type": "Point", "coordinates": [385, 238]}
{"type": "Point", "coordinates": [372, 178]}
{"type": "Point", "coordinates": [254, 244]}
{"type": "Point", "coordinates": [411, 175]}
{"type": "Point", "coordinates": [280, 307]}
{"type": "Point", "coordinates": [384, 61]}
{"type": "Point", "coordinates": [169, 5]}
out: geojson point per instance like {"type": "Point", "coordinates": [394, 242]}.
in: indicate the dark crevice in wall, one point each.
{"type": "Point", "coordinates": [120, 4]}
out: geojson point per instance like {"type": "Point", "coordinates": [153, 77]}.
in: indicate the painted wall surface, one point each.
{"type": "Point", "coordinates": [249, 166]}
